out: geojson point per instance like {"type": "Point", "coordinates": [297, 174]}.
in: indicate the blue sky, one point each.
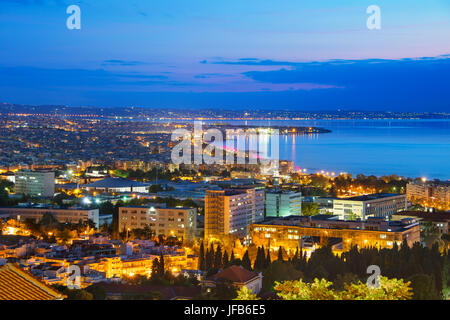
{"type": "Point", "coordinates": [304, 55]}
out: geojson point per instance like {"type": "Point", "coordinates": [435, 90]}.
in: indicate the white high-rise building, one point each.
{"type": "Point", "coordinates": [230, 212]}
{"type": "Point", "coordinates": [281, 203]}
{"type": "Point", "coordinates": [35, 183]}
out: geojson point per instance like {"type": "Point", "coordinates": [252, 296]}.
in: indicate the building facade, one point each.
{"type": "Point", "coordinates": [429, 194]}
{"type": "Point", "coordinates": [174, 222]}
{"type": "Point", "coordinates": [35, 183]}
{"type": "Point", "coordinates": [228, 213]}
{"type": "Point", "coordinates": [381, 205]}
{"type": "Point", "coordinates": [70, 215]}
{"type": "Point", "coordinates": [291, 232]}
{"type": "Point", "coordinates": [283, 203]}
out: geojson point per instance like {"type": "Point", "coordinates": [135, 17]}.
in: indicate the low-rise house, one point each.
{"type": "Point", "coordinates": [237, 275]}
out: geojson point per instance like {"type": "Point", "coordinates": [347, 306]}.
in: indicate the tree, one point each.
{"type": "Point", "coordinates": [279, 271]}
{"type": "Point", "coordinates": [106, 208]}
{"type": "Point", "coordinates": [424, 287]}
{"type": "Point", "coordinates": [78, 294]}
{"type": "Point", "coordinates": [260, 260]}
{"type": "Point", "coordinates": [429, 232]}
{"type": "Point", "coordinates": [232, 257]}
{"type": "Point", "coordinates": [224, 290]}
{"type": "Point", "coordinates": [268, 260]}
{"type": "Point", "coordinates": [246, 263]}
{"type": "Point", "coordinates": [161, 267]}
{"type": "Point", "coordinates": [310, 209]}
{"type": "Point", "coordinates": [225, 259]}
{"type": "Point", "coordinates": [280, 254]}
{"type": "Point", "coordinates": [155, 268]}
{"type": "Point", "coordinates": [299, 290]}
{"type": "Point", "coordinates": [201, 258]}
{"type": "Point", "coordinates": [218, 258]}
{"type": "Point", "coordinates": [245, 293]}
{"type": "Point", "coordinates": [98, 292]}
{"type": "Point", "coordinates": [390, 289]}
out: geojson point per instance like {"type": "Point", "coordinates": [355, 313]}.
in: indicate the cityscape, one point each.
{"type": "Point", "coordinates": [132, 182]}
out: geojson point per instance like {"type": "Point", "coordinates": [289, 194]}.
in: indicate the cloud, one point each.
{"type": "Point", "coordinates": [212, 75]}
{"type": "Point", "coordinates": [251, 62]}
{"type": "Point", "coordinates": [424, 73]}
{"type": "Point", "coordinates": [32, 77]}
{"type": "Point", "coordinates": [419, 84]}
{"type": "Point", "coordinates": [116, 62]}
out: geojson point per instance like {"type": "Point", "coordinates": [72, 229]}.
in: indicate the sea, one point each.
{"type": "Point", "coordinates": [408, 148]}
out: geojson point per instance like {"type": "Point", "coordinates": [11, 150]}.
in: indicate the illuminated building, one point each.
{"type": "Point", "coordinates": [117, 185]}
{"type": "Point", "coordinates": [35, 183]}
{"type": "Point", "coordinates": [283, 203]}
{"type": "Point", "coordinates": [292, 232]}
{"type": "Point", "coordinates": [429, 193]}
{"type": "Point", "coordinates": [174, 222]}
{"type": "Point", "coordinates": [286, 167]}
{"type": "Point", "coordinates": [71, 215]}
{"type": "Point", "coordinates": [373, 205]}
{"type": "Point", "coordinates": [229, 212]}
{"type": "Point", "coordinates": [439, 221]}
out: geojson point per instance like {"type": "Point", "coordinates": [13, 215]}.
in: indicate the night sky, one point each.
{"type": "Point", "coordinates": [271, 54]}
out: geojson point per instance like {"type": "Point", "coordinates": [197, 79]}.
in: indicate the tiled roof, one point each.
{"type": "Point", "coordinates": [234, 274]}
{"type": "Point", "coordinates": [16, 284]}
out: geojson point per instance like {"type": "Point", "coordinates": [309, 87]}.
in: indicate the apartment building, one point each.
{"type": "Point", "coordinates": [35, 183]}
{"type": "Point", "coordinates": [429, 194]}
{"type": "Point", "coordinates": [70, 215]}
{"type": "Point", "coordinates": [280, 203]}
{"type": "Point", "coordinates": [229, 212]}
{"type": "Point", "coordinates": [381, 205]}
{"type": "Point", "coordinates": [174, 222]}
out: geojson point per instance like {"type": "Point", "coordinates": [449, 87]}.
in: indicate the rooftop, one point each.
{"type": "Point", "coordinates": [374, 196]}
{"type": "Point", "coordinates": [115, 183]}
{"type": "Point", "coordinates": [332, 222]}
{"type": "Point", "coordinates": [16, 284]}
{"type": "Point", "coordinates": [234, 274]}
{"type": "Point", "coordinates": [434, 216]}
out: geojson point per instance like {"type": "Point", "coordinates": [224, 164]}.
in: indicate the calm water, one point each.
{"type": "Point", "coordinates": [411, 148]}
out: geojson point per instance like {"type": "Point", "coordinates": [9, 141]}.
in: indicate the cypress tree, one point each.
{"type": "Point", "coordinates": [218, 258]}
{"type": "Point", "coordinates": [295, 259]}
{"type": "Point", "coordinates": [268, 260]}
{"type": "Point", "coordinates": [246, 263]}
{"type": "Point", "coordinates": [280, 254]}
{"type": "Point", "coordinates": [201, 258]}
{"type": "Point", "coordinates": [208, 260]}
{"type": "Point", "coordinates": [155, 268]}
{"type": "Point", "coordinates": [225, 258]}
{"type": "Point", "coordinates": [259, 261]}
{"type": "Point", "coordinates": [161, 266]}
